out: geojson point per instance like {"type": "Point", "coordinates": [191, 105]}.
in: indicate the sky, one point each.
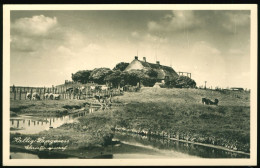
{"type": "Point", "coordinates": [48, 46]}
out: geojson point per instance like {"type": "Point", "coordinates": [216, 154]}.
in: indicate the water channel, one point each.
{"type": "Point", "coordinates": [125, 145]}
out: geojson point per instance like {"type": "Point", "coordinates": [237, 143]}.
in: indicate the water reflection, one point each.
{"type": "Point", "coordinates": [41, 124]}
{"type": "Point", "coordinates": [177, 146]}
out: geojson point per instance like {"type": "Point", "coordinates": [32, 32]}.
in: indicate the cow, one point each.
{"type": "Point", "coordinates": [29, 96]}
{"type": "Point", "coordinates": [35, 96]}
{"type": "Point", "coordinates": [75, 91]}
{"type": "Point", "coordinates": [216, 102]}
{"type": "Point", "coordinates": [205, 101]}
{"type": "Point", "coordinates": [70, 89]}
{"type": "Point", "coordinates": [209, 102]}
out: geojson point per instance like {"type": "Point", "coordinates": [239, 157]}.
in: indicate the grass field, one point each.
{"type": "Point", "coordinates": [175, 111]}
{"type": "Point", "coordinates": [180, 111]}
{"type": "Point", "coordinates": [44, 107]}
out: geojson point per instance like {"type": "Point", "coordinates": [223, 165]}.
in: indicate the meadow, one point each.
{"type": "Point", "coordinates": [181, 113]}
{"type": "Point", "coordinates": [176, 112]}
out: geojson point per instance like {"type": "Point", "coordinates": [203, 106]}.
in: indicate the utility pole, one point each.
{"type": "Point", "coordinates": [205, 85]}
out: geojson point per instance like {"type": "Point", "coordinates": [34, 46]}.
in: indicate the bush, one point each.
{"type": "Point", "coordinates": [181, 82]}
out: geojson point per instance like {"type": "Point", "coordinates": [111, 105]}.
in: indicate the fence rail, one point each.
{"type": "Point", "coordinates": [19, 92]}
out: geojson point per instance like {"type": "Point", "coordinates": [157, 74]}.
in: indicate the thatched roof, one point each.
{"type": "Point", "coordinates": [161, 70]}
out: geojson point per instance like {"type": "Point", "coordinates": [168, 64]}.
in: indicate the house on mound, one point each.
{"type": "Point", "coordinates": [164, 73]}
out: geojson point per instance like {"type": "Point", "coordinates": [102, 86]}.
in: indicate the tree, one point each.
{"type": "Point", "coordinates": [116, 78]}
{"type": "Point", "coordinates": [150, 78]}
{"type": "Point", "coordinates": [134, 76]}
{"type": "Point", "coordinates": [184, 82]}
{"type": "Point", "coordinates": [121, 66]}
{"type": "Point", "coordinates": [81, 76]}
{"type": "Point", "coordinates": [98, 75]}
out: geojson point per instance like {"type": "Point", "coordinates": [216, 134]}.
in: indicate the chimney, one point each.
{"type": "Point", "coordinates": [136, 57]}
{"type": "Point", "coordinates": [158, 62]}
{"type": "Point", "coordinates": [144, 58]}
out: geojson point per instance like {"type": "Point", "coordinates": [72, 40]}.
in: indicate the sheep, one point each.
{"type": "Point", "coordinates": [28, 96]}
{"type": "Point", "coordinates": [56, 96]}
{"type": "Point", "coordinates": [35, 96]}
{"type": "Point", "coordinates": [46, 96]}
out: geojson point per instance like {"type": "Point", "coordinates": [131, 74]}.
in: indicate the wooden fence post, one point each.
{"type": "Point", "coordinates": [14, 90]}
{"type": "Point", "coordinates": [40, 92]}
{"type": "Point", "coordinates": [25, 94]}
{"type": "Point", "coordinates": [73, 92]}
{"type": "Point", "coordinates": [86, 93]}
{"type": "Point", "coordinates": [64, 92]}
{"type": "Point", "coordinates": [20, 94]}
{"type": "Point", "coordinates": [31, 92]}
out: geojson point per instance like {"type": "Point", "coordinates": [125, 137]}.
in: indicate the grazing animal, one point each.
{"type": "Point", "coordinates": [82, 90]}
{"type": "Point", "coordinates": [209, 102]}
{"type": "Point", "coordinates": [28, 96]}
{"type": "Point", "coordinates": [46, 96]}
{"type": "Point", "coordinates": [103, 98]}
{"type": "Point", "coordinates": [216, 102]}
{"type": "Point", "coordinates": [76, 93]}
{"type": "Point", "coordinates": [50, 96]}
{"type": "Point", "coordinates": [56, 96]}
{"type": "Point", "coordinates": [101, 88]}
{"type": "Point", "coordinates": [205, 101]}
{"type": "Point", "coordinates": [104, 87]}
{"type": "Point", "coordinates": [69, 89]}
{"type": "Point", "coordinates": [121, 90]}
{"type": "Point", "coordinates": [92, 87]}
{"type": "Point", "coordinates": [35, 96]}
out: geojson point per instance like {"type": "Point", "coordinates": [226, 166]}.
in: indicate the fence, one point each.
{"type": "Point", "coordinates": [19, 92]}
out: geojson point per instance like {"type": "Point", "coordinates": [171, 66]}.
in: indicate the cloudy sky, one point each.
{"type": "Point", "coordinates": [47, 46]}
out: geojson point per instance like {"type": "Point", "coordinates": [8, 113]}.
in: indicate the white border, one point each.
{"type": "Point", "coordinates": [94, 162]}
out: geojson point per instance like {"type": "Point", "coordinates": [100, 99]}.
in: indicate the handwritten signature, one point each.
{"type": "Point", "coordinates": [45, 144]}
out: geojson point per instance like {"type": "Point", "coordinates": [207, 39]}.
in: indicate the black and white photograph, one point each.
{"type": "Point", "coordinates": [130, 84]}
